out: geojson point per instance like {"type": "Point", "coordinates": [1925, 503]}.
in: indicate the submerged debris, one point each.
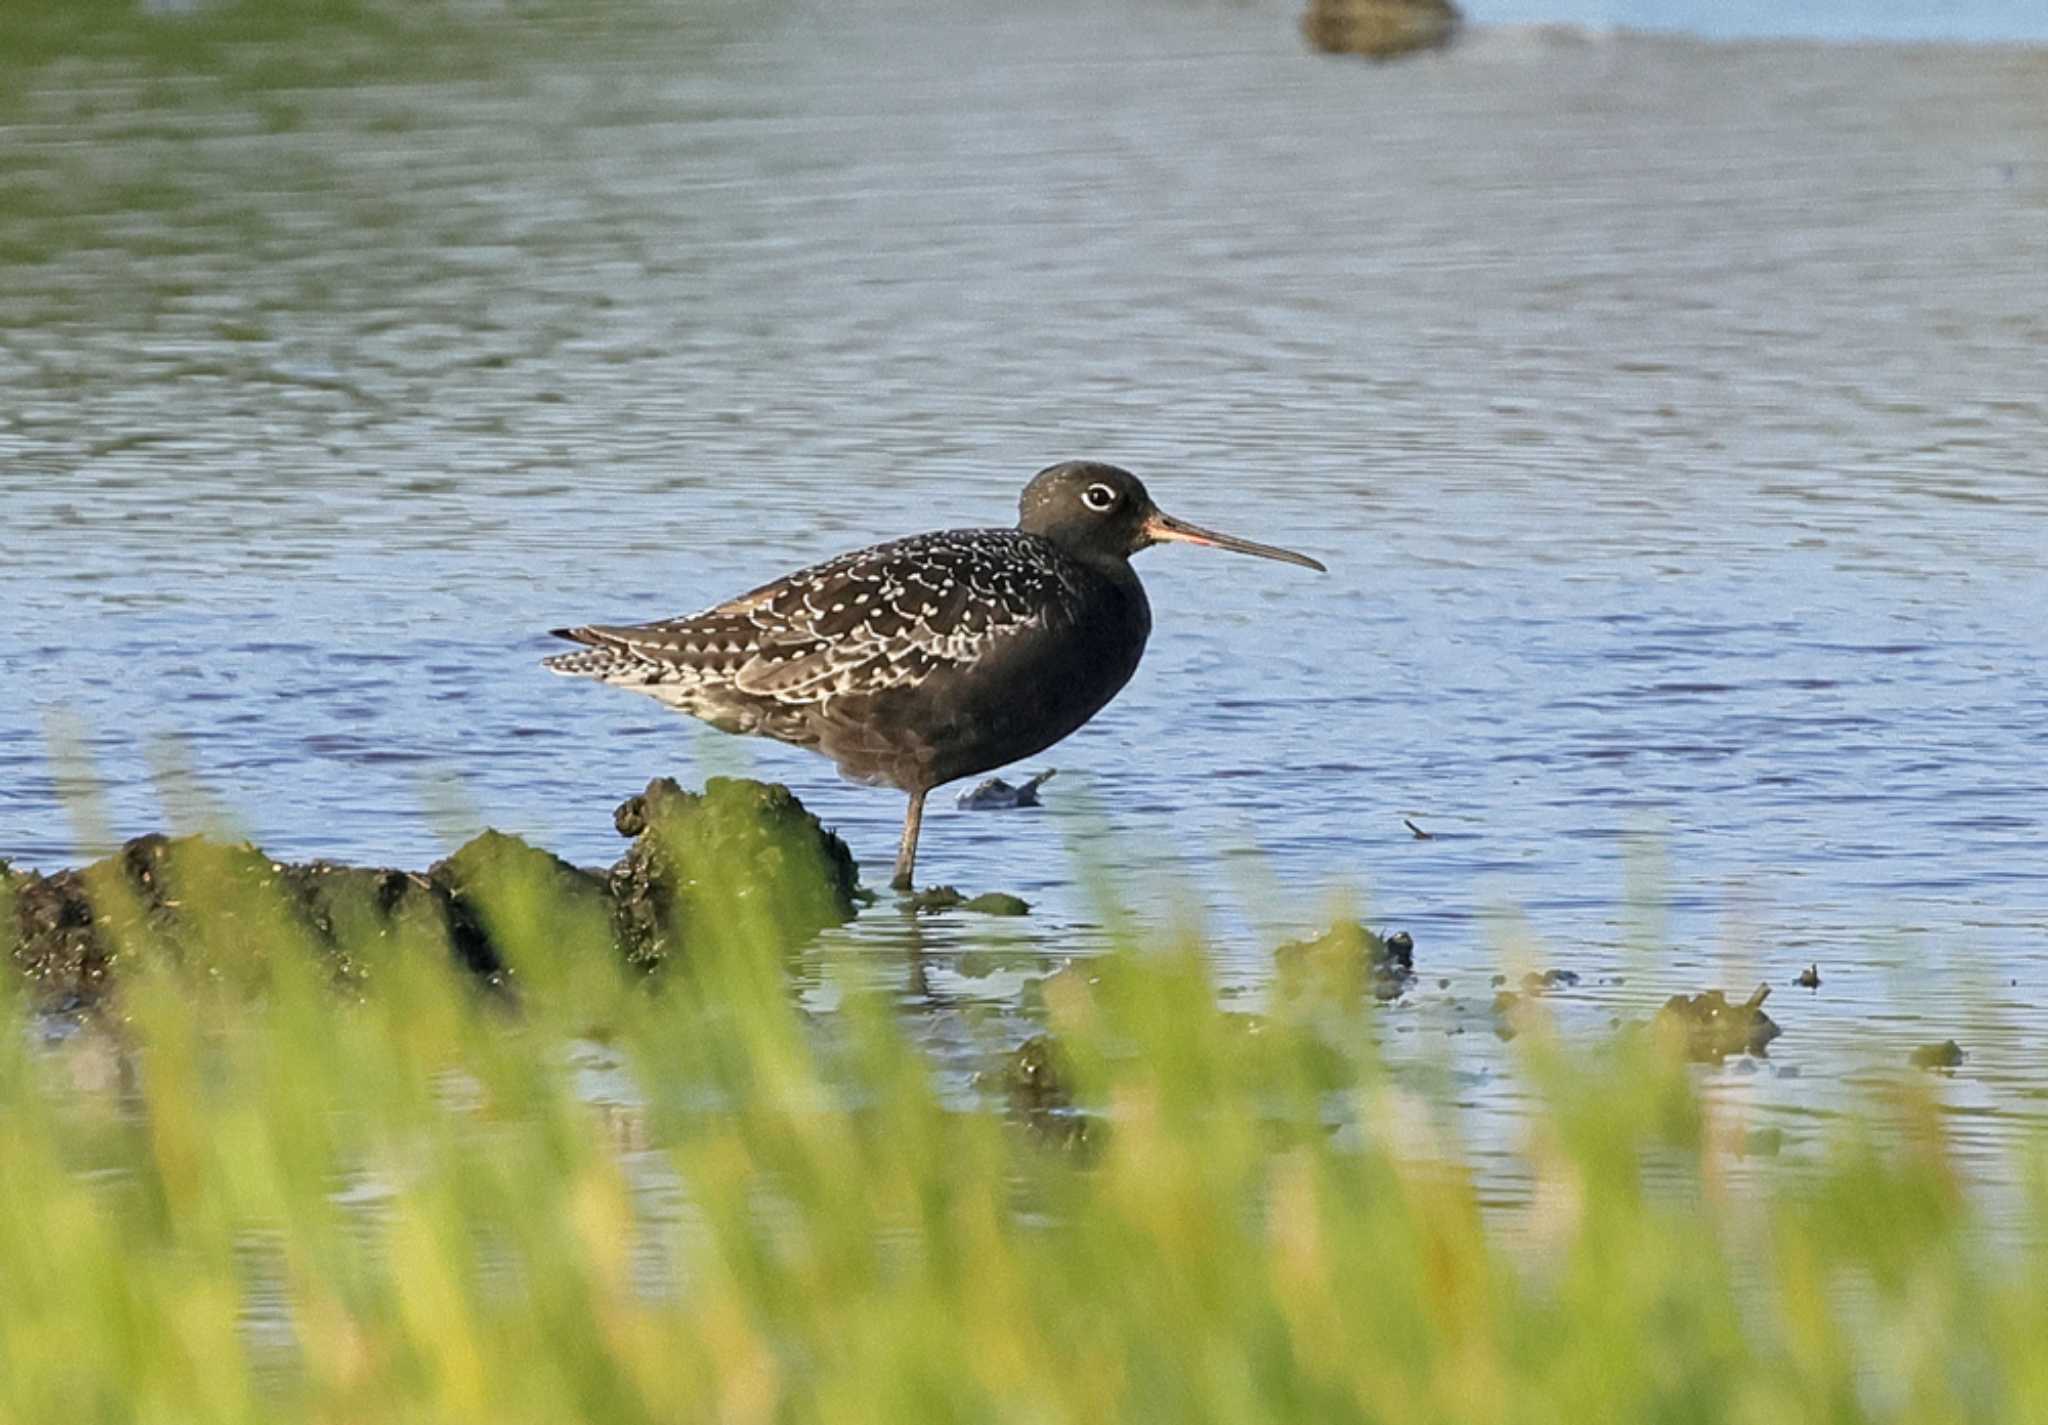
{"type": "Point", "coordinates": [1035, 1078]}
{"type": "Point", "coordinates": [1761, 1143]}
{"type": "Point", "coordinates": [1708, 1028]}
{"type": "Point", "coordinates": [998, 795]}
{"type": "Point", "coordinates": [1037, 1084]}
{"type": "Point", "coordinates": [1946, 1055]}
{"type": "Point", "coordinates": [1346, 960]}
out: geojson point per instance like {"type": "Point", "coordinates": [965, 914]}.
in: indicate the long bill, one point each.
{"type": "Point", "coordinates": [1162, 528]}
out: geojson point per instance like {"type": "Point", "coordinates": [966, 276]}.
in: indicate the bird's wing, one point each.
{"type": "Point", "coordinates": [861, 623]}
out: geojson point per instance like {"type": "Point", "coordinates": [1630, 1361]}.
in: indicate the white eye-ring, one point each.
{"type": "Point", "coordinates": [1098, 497]}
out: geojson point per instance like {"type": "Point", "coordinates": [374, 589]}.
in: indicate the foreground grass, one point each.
{"type": "Point", "coordinates": [394, 1200]}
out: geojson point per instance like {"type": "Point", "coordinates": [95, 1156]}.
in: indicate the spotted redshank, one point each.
{"type": "Point", "coordinates": [926, 659]}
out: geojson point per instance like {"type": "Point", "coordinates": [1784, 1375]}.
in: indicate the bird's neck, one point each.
{"type": "Point", "coordinates": [1112, 565]}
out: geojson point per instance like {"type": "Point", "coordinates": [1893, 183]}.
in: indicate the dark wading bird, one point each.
{"type": "Point", "coordinates": [929, 658]}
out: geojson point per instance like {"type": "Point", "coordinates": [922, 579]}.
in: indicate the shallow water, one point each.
{"type": "Point", "coordinates": [1670, 415]}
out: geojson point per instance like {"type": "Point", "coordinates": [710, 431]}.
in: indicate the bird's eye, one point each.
{"type": "Point", "coordinates": [1098, 497]}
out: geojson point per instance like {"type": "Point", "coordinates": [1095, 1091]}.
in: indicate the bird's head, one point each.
{"type": "Point", "coordinates": [1101, 511]}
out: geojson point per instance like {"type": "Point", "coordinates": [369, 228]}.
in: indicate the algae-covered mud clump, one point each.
{"type": "Point", "coordinates": [741, 856]}
{"type": "Point", "coordinates": [69, 929]}
{"type": "Point", "coordinates": [1946, 1055]}
{"type": "Point", "coordinates": [1347, 960]}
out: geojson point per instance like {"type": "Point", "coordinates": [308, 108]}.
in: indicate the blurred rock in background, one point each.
{"type": "Point", "coordinates": [1379, 29]}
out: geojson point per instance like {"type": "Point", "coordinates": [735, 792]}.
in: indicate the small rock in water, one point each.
{"type": "Point", "coordinates": [1037, 1083]}
{"type": "Point", "coordinates": [1809, 978]}
{"type": "Point", "coordinates": [1946, 1055]}
{"type": "Point", "coordinates": [1508, 1005]}
{"type": "Point", "coordinates": [933, 899]}
{"type": "Point", "coordinates": [1035, 1077]}
{"type": "Point", "coordinates": [998, 795]}
{"type": "Point", "coordinates": [1709, 1029]}
{"type": "Point", "coordinates": [1346, 958]}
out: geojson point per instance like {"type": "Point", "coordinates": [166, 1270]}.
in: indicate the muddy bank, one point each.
{"type": "Point", "coordinates": [740, 856]}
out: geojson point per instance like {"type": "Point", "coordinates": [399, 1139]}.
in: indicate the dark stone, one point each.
{"type": "Point", "coordinates": [998, 795]}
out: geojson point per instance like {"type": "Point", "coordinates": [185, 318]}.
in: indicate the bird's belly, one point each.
{"type": "Point", "coordinates": [980, 716]}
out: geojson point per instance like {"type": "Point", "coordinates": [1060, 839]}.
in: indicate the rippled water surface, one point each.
{"type": "Point", "coordinates": [1670, 414]}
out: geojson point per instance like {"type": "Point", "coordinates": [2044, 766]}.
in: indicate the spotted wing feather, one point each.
{"type": "Point", "coordinates": [865, 622]}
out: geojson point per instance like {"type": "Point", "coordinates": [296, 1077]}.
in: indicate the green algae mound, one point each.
{"type": "Point", "coordinates": [1345, 962]}
{"type": "Point", "coordinates": [741, 857]}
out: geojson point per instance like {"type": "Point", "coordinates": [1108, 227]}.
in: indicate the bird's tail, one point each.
{"type": "Point", "coordinates": [594, 661]}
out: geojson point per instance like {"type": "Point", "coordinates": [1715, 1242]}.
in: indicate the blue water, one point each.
{"type": "Point", "coordinates": [1976, 21]}
{"type": "Point", "coordinates": [1670, 415]}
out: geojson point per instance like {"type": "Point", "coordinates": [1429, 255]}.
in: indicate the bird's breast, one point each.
{"type": "Point", "coordinates": [1041, 685]}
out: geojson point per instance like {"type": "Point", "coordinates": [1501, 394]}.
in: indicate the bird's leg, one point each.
{"type": "Point", "coordinates": [906, 853]}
